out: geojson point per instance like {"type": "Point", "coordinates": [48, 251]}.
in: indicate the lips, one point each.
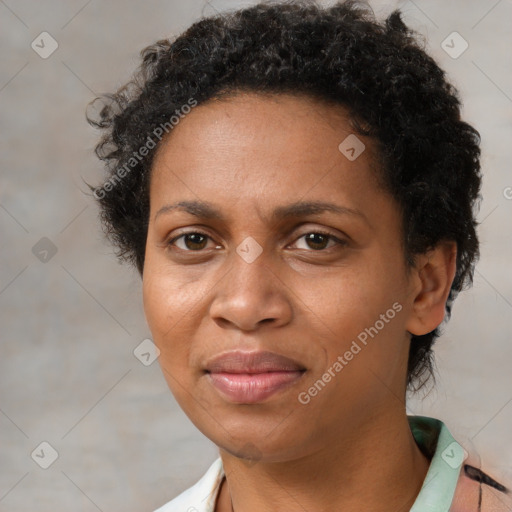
{"type": "Point", "coordinates": [252, 362]}
{"type": "Point", "coordinates": [251, 377]}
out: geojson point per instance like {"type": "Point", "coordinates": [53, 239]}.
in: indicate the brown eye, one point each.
{"type": "Point", "coordinates": [193, 241]}
{"type": "Point", "coordinates": [318, 240]}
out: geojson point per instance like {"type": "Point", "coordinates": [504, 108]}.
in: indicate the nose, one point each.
{"type": "Point", "coordinates": [250, 295]}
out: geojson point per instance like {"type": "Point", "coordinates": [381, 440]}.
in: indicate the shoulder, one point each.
{"type": "Point", "coordinates": [477, 491]}
{"type": "Point", "coordinates": [201, 496]}
{"type": "Point", "coordinates": [456, 479]}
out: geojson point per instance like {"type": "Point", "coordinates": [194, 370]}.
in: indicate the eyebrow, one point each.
{"type": "Point", "coordinates": [206, 210]}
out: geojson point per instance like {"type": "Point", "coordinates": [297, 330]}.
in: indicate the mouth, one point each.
{"type": "Point", "coordinates": [251, 377]}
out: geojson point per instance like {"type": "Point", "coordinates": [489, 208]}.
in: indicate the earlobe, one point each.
{"type": "Point", "coordinates": [434, 273]}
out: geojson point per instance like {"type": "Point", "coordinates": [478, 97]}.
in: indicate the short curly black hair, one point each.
{"type": "Point", "coordinates": [379, 71]}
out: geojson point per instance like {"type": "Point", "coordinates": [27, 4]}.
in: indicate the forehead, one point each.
{"type": "Point", "coordinates": [265, 147]}
{"type": "Point", "coordinates": [249, 119]}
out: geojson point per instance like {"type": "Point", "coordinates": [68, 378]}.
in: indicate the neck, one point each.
{"type": "Point", "coordinates": [377, 467]}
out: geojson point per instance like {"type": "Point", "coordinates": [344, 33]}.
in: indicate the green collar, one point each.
{"type": "Point", "coordinates": [436, 442]}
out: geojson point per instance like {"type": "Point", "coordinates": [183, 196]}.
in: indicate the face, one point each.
{"type": "Point", "coordinates": [243, 259]}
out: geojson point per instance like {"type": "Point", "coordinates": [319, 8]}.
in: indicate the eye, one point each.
{"type": "Point", "coordinates": [195, 241]}
{"type": "Point", "coordinates": [192, 241]}
{"type": "Point", "coordinates": [318, 240]}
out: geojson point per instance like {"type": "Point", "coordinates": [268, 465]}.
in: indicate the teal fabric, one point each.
{"type": "Point", "coordinates": [447, 456]}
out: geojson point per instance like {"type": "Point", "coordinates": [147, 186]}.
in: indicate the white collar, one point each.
{"type": "Point", "coordinates": [202, 495]}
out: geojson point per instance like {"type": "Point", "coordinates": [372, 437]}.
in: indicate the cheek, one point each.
{"type": "Point", "coordinates": [169, 297]}
{"type": "Point", "coordinates": [166, 309]}
{"type": "Point", "coordinates": [158, 305]}
{"type": "Point", "coordinates": [168, 316]}
{"type": "Point", "coordinates": [347, 301]}
{"type": "Point", "coordinates": [364, 307]}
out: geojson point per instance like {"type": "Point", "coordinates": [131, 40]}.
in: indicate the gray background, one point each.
{"type": "Point", "coordinates": [70, 325]}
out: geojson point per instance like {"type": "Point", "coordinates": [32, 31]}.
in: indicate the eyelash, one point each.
{"type": "Point", "coordinates": [339, 242]}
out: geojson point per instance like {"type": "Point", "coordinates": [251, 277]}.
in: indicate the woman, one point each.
{"type": "Point", "coordinates": [297, 190]}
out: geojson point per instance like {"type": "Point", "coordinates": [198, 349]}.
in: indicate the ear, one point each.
{"type": "Point", "coordinates": [432, 279]}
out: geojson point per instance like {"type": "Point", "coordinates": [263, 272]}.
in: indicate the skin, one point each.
{"type": "Point", "coordinates": [351, 444]}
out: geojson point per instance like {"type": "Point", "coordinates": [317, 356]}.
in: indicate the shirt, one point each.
{"type": "Point", "coordinates": [452, 482]}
